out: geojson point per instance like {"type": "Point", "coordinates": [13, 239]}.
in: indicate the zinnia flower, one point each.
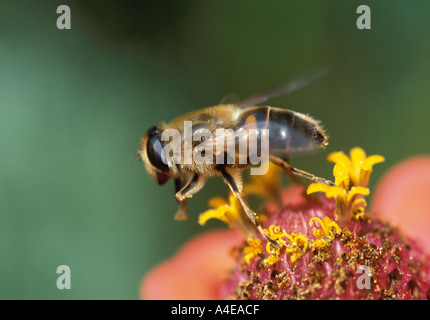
{"type": "Point", "coordinates": [330, 245]}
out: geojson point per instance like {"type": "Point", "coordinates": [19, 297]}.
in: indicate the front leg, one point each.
{"type": "Point", "coordinates": [193, 185]}
{"type": "Point", "coordinates": [181, 213]}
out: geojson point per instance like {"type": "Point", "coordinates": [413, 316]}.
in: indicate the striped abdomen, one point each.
{"type": "Point", "coordinates": [289, 131]}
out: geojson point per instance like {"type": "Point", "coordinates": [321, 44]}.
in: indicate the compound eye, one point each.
{"type": "Point", "coordinates": [156, 154]}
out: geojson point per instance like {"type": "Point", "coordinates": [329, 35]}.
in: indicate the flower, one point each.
{"type": "Point", "coordinates": [358, 166]}
{"type": "Point", "coordinates": [402, 197]}
{"type": "Point", "coordinates": [326, 235]}
{"type": "Point", "coordinates": [318, 258]}
{"type": "Point", "coordinates": [351, 180]}
{"type": "Point", "coordinates": [267, 185]}
{"type": "Point", "coordinates": [196, 272]}
{"type": "Point", "coordinates": [229, 212]}
{"type": "Point", "coordinates": [327, 226]}
{"type": "Point", "coordinates": [347, 205]}
{"type": "Point", "coordinates": [253, 250]}
{"type": "Point", "coordinates": [298, 246]}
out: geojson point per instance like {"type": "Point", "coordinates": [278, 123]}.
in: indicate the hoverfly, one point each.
{"type": "Point", "coordinates": [288, 132]}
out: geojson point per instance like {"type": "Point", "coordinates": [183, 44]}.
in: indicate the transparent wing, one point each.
{"type": "Point", "coordinates": [231, 98]}
{"type": "Point", "coordinates": [301, 81]}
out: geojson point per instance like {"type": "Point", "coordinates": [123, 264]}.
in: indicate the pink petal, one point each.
{"type": "Point", "coordinates": [293, 195]}
{"type": "Point", "coordinates": [197, 270]}
{"type": "Point", "coordinates": [403, 198]}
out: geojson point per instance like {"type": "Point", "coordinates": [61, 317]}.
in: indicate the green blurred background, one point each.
{"type": "Point", "coordinates": [75, 103]}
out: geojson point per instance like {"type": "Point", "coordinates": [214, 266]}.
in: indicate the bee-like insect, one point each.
{"type": "Point", "coordinates": [287, 132]}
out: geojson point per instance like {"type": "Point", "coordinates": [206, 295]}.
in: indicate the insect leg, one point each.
{"type": "Point", "coordinates": [181, 214]}
{"type": "Point", "coordinates": [251, 214]}
{"type": "Point", "coordinates": [193, 185]}
{"type": "Point", "coordinates": [297, 172]}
